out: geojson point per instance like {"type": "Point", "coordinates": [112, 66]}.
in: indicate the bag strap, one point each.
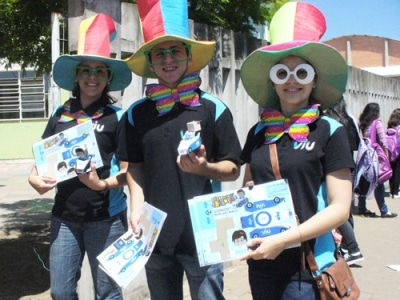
{"type": "Point", "coordinates": [355, 122]}
{"type": "Point", "coordinates": [273, 154]}
{"type": "Point", "coordinates": [310, 259]}
{"type": "Point", "coordinates": [373, 132]}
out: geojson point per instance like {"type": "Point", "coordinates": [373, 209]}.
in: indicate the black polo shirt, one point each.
{"type": "Point", "coordinates": [75, 201]}
{"type": "Point", "coordinates": [305, 166]}
{"type": "Point", "coordinates": [153, 140]}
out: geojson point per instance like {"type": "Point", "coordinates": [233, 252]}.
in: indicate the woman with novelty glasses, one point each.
{"type": "Point", "coordinates": [293, 82]}
{"type": "Point", "coordinates": [89, 211]}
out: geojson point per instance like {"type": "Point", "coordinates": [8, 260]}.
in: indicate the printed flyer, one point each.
{"type": "Point", "coordinates": [224, 222]}
{"type": "Point", "coordinates": [62, 155]}
{"type": "Point", "coordinates": [126, 257]}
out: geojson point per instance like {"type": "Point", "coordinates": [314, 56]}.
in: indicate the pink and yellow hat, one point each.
{"type": "Point", "coordinates": [296, 29]}
{"type": "Point", "coordinates": [94, 43]}
{"type": "Point", "coordinates": [167, 20]}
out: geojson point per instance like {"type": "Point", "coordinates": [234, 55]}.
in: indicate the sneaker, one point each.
{"type": "Point", "coordinates": [342, 252]}
{"type": "Point", "coordinates": [352, 258]}
{"type": "Point", "coordinates": [389, 215]}
{"type": "Point", "coordinates": [368, 214]}
{"type": "Point", "coordinates": [395, 196]}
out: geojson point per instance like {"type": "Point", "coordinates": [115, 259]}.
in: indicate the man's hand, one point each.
{"type": "Point", "coordinates": [194, 162]}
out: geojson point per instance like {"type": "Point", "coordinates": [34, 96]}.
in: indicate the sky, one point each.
{"type": "Point", "coordinates": [369, 17]}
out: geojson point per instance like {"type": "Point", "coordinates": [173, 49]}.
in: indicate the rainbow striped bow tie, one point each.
{"type": "Point", "coordinates": [80, 116]}
{"type": "Point", "coordinates": [184, 93]}
{"type": "Point", "coordinates": [296, 126]}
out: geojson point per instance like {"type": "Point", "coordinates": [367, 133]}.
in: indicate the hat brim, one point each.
{"type": "Point", "coordinates": [329, 64]}
{"type": "Point", "coordinates": [64, 71]}
{"type": "Point", "coordinates": [202, 52]}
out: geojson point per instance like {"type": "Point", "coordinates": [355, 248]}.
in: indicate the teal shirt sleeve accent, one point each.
{"type": "Point", "coordinates": [118, 111]}
{"type": "Point", "coordinates": [333, 124]}
{"type": "Point", "coordinates": [130, 109]}
{"type": "Point", "coordinates": [220, 106]}
{"type": "Point", "coordinates": [216, 186]}
{"type": "Point", "coordinates": [324, 248]}
{"type": "Point", "coordinates": [56, 109]}
{"type": "Point", "coordinates": [116, 196]}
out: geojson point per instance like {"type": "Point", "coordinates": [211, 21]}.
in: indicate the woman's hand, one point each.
{"type": "Point", "coordinates": [92, 180]}
{"type": "Point", "coordinates": [264, 248]}
{"type": "Point", "coordinates": [42, 184]}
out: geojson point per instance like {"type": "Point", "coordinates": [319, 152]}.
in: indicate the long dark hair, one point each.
{"type": "Point", "coordinates": [339, 113]}
{"type": "Point", "coordinates": [105, 98]}
{"type": "Point", "coordinates": [368, 115]}
{"type": "Point", "coordinates": [394, 119]}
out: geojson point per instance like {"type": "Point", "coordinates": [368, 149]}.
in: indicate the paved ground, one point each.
{"type": "Point", "coordinates": [378, 239]}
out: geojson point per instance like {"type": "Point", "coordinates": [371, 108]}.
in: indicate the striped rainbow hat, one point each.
{"type": "Point", "coordinates": [94, 43]}
{"type": "Point", "coordinates": [296, 29]}
{"type": "Point", "coordinates": [167, 20]}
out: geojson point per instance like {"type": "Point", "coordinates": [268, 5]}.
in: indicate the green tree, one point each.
{"type": "Point", "coordinates": [236, 15]}
{"type": "Point", "coordinates": [25, 35]}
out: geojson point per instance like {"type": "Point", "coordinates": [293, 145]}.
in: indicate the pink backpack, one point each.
{"type": "Point", "coordinates": [385, 170]}
{"type": "Point", "coordinates": [393, 140]}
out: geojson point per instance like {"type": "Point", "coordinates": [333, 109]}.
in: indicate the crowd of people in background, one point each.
{"type": "Point", "coordinates": [371, 113]}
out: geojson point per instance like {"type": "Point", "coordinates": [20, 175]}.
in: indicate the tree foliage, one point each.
{"type": "Point", "coordinates": [25, 35]}
{"type": "Point", "coordinates": [236, 15]}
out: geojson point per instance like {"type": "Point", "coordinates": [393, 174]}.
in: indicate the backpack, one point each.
{"type": "Point", "coordinates": [367, 169]}
{"type": "Point", "coordinates": [385, 169]}
{"type": "Point", "coordinates": [393, 141]}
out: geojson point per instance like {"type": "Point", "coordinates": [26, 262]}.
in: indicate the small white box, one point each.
{"type": "Point", "coordinates": [83, 166]}
{"type": "Point", "coordinates": [193, 126]}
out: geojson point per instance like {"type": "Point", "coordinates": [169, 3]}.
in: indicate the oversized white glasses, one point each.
{"type": "Point", "coordinates": [303, 73]}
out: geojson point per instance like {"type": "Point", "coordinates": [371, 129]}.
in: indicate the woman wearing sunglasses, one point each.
{"type": "Point", "coordinates": [294, 81]}
{"type": "Point", "coordinates": [89, 211]}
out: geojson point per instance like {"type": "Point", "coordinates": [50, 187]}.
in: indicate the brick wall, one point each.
{"type": "Point", "coordinates": [367, 51]}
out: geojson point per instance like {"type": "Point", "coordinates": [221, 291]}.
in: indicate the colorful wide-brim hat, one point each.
{"type": "Point", "coordinates": [167, 20]}
{"type": "Point", "coordinates": [94, 43]}
{"type": "Point", "coordinates": [304, 26]}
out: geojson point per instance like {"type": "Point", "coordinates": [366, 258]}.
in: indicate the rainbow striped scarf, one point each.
{"type": "Point", "coordinates": [296, 126]}
{"type": "Point", "coordinates": [184, 93]}
{"type": "Point", "coordinates": [79, 116]}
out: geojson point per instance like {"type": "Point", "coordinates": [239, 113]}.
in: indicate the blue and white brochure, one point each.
{"type": "Point", "coordinates": [224, 222]}
{"type": "Point", "coordinates": [67, 153]}
{"type": "Point", "coordinates": [125, 258]}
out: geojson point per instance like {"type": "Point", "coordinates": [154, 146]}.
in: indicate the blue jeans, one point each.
{"type": "Point", "coordinates": [349, 241]}
{"type": "Point", "coordinates": [165, 278]}
{"type": "Point", "coordinates": [379, 194]}
{"type": "Point", "coordinates": [68, 243]}
{"type": "Point", "coordinates": [264, 286]}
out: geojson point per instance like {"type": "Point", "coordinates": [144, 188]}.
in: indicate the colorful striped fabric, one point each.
{"type": "Point", "coordinates": [184, 93]}
{"type": "Point", "coordinates": [296, 126]}
{"type": "Point", "coordinates": [79, 116]}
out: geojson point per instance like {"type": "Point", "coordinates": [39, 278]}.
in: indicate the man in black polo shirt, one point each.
{"type": "Point", "coordinates": [153, 129]}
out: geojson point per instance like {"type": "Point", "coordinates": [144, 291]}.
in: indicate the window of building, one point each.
{"type": "Point", "coordinates": [23, 95]}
